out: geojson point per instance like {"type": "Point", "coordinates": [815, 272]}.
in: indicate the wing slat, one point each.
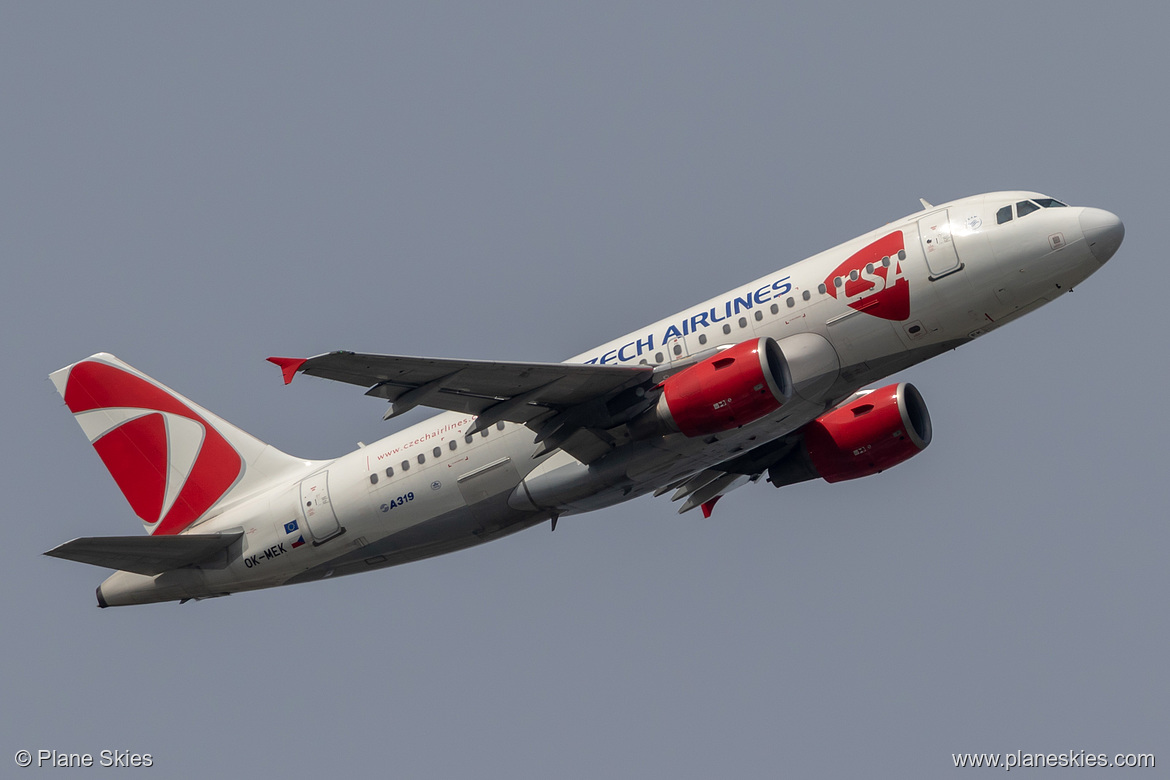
{"type": "Point", "coordinates": [474, 386]}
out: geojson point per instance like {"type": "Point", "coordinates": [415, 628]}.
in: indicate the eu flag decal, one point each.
{"type": "Point", "coordinates": [290, 527]}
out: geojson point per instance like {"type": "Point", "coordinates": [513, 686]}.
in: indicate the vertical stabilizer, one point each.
{"type": "Point", "coordinates": [173, 460]}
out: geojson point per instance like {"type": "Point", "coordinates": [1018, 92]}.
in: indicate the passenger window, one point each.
{"type": "Point", "coordinates": [484, 433]}
{"type": "Point", "coordinates": [438, 453]}
{"type": "Point", "coordinates": [792, 301]}
{"type": "Point", "coordinates": [499, 426]}
{"type": "Point", "coordinates": [838, 281]}
{"type": "Point", "coordinates": [389, 471]}
{"type": "Point", "coordinates": [421, 459]}
{"type": "Point", "coordinates": [869, 268]}
{"type": "Point", "coordinates": [373, 479]}
{"type": "Point", "coordinates": [468, 439]}
{"type": "Point", "coordinates": [1003, 215]}
{"type": "Point", "coordinates": [1025, 207]}
{"type": "Point", "coordinates": [677, 349]}
{"type": "Point", "coordinates": [901, 254]}
{"type": "Point", "coordinates": [806, 295]}
{"type": "Point", "coordinates": [727, 329]}
{"type": "Point", "coordinates": [821, 289]}
{"type": "Point", "coordinates": [885, 262]}
{"type": "Point", "coordinates": [451, 445]}
{"type": "Point", "coordinates": [658, 357]}
{"type": "Point", "coordinates": [406, 465]}
{"type": "Point", "coordinates": [702, 338]}
{"type": "Point", "coordinates": [743, 322]}
{"type": "Point", "coordinates": [759, 316]}
{"type": "Point", "coordinates": [853, 275]}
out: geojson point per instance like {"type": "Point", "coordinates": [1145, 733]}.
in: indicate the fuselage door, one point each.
{"type": "Point", "coordinates": [318, 509]}
{"type": "Point", "coordinates": [938, 244]}
{"type": "Point", "coordinates": [676, 349]}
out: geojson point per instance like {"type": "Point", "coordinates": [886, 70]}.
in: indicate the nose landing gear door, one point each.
{"type": "Point", "coordinates": [318, 509]}
{"type": "Point", "coordinates": [939, 245]}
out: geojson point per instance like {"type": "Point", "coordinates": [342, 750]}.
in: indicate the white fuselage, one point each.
{"type": "Point", "coordinates": [430, 489]}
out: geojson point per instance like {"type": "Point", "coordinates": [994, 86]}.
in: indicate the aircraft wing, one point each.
{"type": "Point", "coordinates": [557, 400]}
{"type": "Point", "coordinates": [149, 555]}
{"type": "Point", "coordinates": [708, 486]}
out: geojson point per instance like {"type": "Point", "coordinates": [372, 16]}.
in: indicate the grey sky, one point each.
{"type": "Point", "coordinates": [195, 188]}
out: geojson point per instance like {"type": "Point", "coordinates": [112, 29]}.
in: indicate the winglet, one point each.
{"type": "Point", "coordinates": [288, 366]}
{"type": "Point", "coordinates": [708, 506]}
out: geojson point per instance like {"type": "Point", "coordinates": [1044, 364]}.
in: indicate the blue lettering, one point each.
{"type": "Point", "coordinates": [715, 319]}
{"type": "Point", "coordinates": [698, 321]}
{"type": "Point", "coordinates": [622, 352]}
{"type": "Point", "coordinates": [609, 357]}
{"type": "Point", "coordinates": [782, 286]}
{"type": "Point", "coordinates": [759, 295]}
{"type": "Point", "coordinates": [672, 333]}
{"type": "Point", "coordinates": [747, 303]}
{"type": "Point", "coordinates": [590, 362]}
{"type": "Point", "coordinates": [649, 342]}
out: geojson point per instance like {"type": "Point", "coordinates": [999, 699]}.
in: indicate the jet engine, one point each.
{"type": "Point", "coordinates": [864, 436]}
{"type": "Point", "coordinates": [732, 388]}
{"type": "Point", "coordinates": [741, 384]}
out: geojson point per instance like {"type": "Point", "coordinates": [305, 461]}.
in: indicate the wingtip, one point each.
{"type": "Point", "coordinates": [288, 366]}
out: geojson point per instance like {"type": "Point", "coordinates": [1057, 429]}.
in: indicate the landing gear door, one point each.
{"type": "Point", "coordinates": [318, 509]}
{"type": "Point", "coordinates": [939, 245]}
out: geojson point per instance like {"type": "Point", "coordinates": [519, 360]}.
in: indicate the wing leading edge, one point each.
{"type": "Point", "coordinates": [569, 405]}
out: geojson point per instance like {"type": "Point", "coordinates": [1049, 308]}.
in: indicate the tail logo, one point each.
{"type": "Point", "coordinates": [872, 280]}
{"type": "Point", "coordinates": [170, 463]}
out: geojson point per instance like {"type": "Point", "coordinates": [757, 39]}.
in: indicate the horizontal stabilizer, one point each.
{"type": "Point", "coordinates": [149, 555]}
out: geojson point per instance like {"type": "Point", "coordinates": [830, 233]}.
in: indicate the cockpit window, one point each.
{"type": "Point", "coordinates": [1003, 215]}
{"type": "Point", "coordinates": [1049, 203]}
{"type": "Point", "coordinates": [1025, 207]}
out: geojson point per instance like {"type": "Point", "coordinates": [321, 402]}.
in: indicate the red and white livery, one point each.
{"type": "Point", "coordinates": [766, 380]}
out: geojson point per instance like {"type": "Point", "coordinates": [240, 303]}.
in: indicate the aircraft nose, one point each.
{"type": "Point", "coordinates": [1103, 232]}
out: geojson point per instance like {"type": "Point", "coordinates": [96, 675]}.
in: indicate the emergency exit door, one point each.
{"type": "Point", "coordinates": [318, 509]}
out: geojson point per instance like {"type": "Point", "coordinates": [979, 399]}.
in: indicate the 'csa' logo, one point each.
{"type": "Point", "coordinates": [872, 280]}
{"type": "Point", "coordinates": [171, 465]}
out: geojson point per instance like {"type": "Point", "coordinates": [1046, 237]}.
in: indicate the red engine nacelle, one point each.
{"type": "Point", "coordinates": [867, 435]}
{"type": "Point", "coordinates": [727, 390]}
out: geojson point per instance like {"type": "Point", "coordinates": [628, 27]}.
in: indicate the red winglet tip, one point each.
{"type": "Point", "coordinates": [708, 506]}
{"type": "Point", "coordinates": [288, 366]}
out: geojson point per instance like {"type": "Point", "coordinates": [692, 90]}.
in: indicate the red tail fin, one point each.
{"type": "Point", "coordinates": [172, 459]}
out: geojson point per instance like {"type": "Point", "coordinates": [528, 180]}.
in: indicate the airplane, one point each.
{"type": "Point", "coordinates": [771, 378]}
